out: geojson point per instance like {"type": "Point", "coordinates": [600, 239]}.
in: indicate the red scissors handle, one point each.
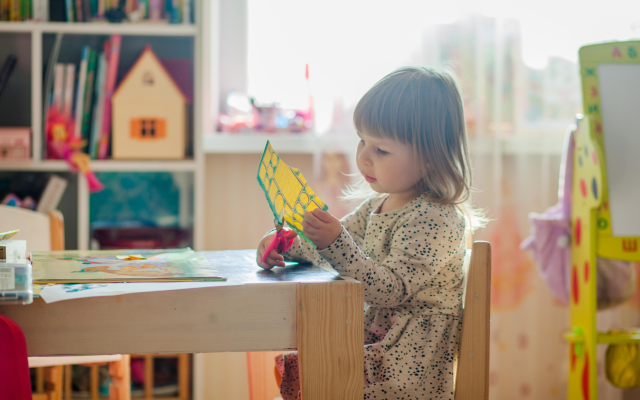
{"type": "Point", "coordinates": [282, 241]}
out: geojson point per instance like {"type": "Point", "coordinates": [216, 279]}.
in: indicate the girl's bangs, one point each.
{"type": "Point", "coordinates": [379, 111]}
{"type": "Point", "coordinates": [368, 118]}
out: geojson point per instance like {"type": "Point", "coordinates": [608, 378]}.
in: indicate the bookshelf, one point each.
{"type": "Point", "coordinates": [24, 97]}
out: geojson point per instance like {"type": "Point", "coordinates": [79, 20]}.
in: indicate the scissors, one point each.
{"type": "Point", "coordinates": [281, 242]}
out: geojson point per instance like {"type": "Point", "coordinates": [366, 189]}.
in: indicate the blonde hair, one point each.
{"type": "Point", "coordinates": [422, 107]}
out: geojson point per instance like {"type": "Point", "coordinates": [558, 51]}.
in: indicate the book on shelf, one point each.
{"type": "Point", "coordinates": [40, 10]}
{"type": "Point", "coordinates": [88, 94]}
{"type": "Point", "coordinates": [7, 68]}
{"type": "Point", "coordinates": [69, 83]}
{"type": "Point", "coordinates": [155, 9]}
{"type": "Point", "coordinates": [25, 12]}
{"type": "Point", "coordinates": [15, 10]}
{"type": "Point", "coordinates": [79, 100]}
{"type": "Point", "coordinates": [98, 110]}
{"type": "Point", "coordinates": [58, 86]}
{"type": "Point", "coordinates": [69, 10]}
{"type": "Point", "coordinates": [87, 11]}
{"type": "Point", "coordinates": [112, 75]}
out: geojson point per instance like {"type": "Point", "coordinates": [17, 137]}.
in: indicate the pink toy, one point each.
{"type": "Point", "coordinates": [63, 145]}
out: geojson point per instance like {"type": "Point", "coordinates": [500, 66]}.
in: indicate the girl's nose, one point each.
{"type": "Point", "coordinates": [363, 157]}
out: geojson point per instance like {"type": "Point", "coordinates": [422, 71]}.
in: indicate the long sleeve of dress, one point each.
{"type": "Point", "coordinates": [355, 223]}
{"type": "Point", "coordinates": [416, 259]}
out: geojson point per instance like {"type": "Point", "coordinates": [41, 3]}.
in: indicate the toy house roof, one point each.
{"type": "Point", "coordinates": [148, 50]}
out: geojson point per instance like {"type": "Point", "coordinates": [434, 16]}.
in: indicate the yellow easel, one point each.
{"type": "Point", "coordinates": [591, 222]}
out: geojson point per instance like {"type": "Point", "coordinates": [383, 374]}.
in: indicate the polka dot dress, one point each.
{"type": "Point", "coordinates": [410, 263]}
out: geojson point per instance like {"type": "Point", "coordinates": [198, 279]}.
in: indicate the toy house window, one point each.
{"type": "Point", "coordinates": [147, 78]}
{"type": "Point", "coordinates": [148, 128]}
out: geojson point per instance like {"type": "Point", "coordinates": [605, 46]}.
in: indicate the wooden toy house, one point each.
{"type": "Point", "coordinates": [149, 116]}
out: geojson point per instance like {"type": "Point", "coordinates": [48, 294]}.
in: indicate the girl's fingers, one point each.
{"type": "Point", "coordinates": [275, 259]}
{"type": "Point", "coordinates": [308, 226]}
{"type": "Point", "coordinates": [312, 219]}
{"type": "Point", "coordinates": [263, 264]}
{"type": "Point", "coordinates": [273, 255]}
{"type": "Point", "coordinates": [321, 215]}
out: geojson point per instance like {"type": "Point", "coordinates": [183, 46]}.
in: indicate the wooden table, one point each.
{"type": "Point", "coordinates": [299, 307]}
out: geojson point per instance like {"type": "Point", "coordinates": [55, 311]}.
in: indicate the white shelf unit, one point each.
{"type": "Point", "coordinates": [195, 165]}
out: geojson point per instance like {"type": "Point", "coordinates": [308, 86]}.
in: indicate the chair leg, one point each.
{"type": "Point", "coordinates": [184, 372]}
{"type": "Point", "coordinates": [120, 372]}
{"type": "Point", "coordinates": [67, 381]}
{"type": "Point", "coordinates": [53, 382]}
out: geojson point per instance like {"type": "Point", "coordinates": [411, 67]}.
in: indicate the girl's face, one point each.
{"type": "Point", "coordinates": [388, 165]}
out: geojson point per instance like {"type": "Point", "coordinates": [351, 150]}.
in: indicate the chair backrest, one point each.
{"type": "Point", "coordinates": [43, 232]}
{"type": "Point", "coordinates": [472, 375]}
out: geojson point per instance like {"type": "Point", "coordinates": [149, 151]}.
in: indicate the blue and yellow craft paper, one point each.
{"type": "Point", "coordinates": [287, 192]}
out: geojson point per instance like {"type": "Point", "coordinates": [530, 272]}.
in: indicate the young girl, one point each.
{"type": "Point", "coordinates": [406, 242]}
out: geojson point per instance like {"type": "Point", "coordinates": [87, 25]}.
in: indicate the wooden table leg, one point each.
{"type": "Point", "coordinates": [330, 328]}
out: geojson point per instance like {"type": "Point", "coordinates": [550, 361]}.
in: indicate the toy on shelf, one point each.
{"type": "Point", "coordinates": [13, 200]}
{"type": "Point", "coordinates": [149, 112]}
{"type": "Point", "coordinates": [62, 144]}
{"type": "Point", "coordinates": [243, 113]}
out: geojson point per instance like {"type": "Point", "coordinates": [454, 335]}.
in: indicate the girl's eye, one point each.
{"type": "Point", "coordinates": [382, 152]}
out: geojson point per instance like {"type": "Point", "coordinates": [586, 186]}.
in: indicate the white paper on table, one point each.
{"type": "Point", "coordinates": [53, 293]}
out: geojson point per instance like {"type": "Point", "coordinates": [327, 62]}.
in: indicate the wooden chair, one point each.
{"type": "Point", "coordinates": [45, 232]}
{"type": "Point", "coordinates": [472, 372]}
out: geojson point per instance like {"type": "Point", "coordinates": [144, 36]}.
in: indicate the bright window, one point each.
{"type": "Point", "coordinates": [530, 47]}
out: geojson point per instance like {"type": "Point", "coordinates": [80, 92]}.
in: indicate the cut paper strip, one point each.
{"type": "Point", "coordinates": [8, 235]}
{"type": "Point", "coordinates": [287, 192]}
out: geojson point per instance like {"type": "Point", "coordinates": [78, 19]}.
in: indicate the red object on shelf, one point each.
{"type": "Point", "coordinates": [142, 238]}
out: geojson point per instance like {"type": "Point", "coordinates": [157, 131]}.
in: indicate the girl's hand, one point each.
{"type": "Point", "coordinates": [274, 259]}
{"type": "Point", "coordinates": [321, 228]}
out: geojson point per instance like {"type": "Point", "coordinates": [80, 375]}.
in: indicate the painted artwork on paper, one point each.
{"type": "Point", "coordinates": [288, 193]}
{"type": "Point", "coordinates": [120, 266]}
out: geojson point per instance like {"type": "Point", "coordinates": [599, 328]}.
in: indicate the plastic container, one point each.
{"type": "Point", "coordinates": [16, 282]}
